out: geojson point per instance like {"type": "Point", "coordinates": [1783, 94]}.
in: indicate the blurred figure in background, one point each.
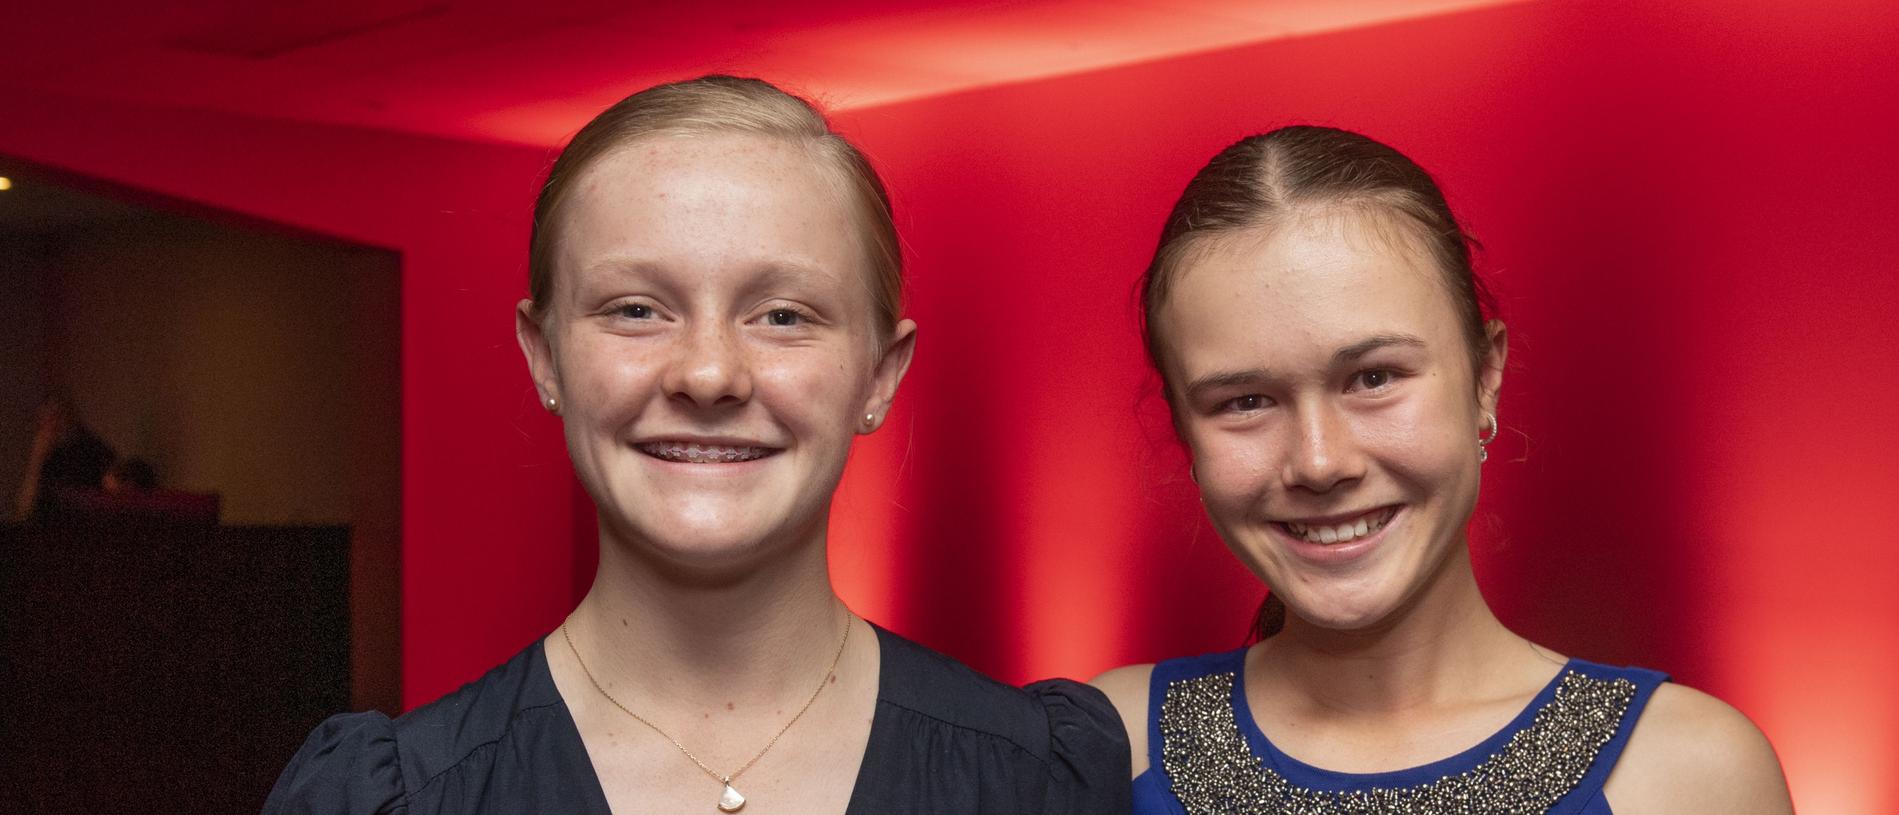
{"type": "Point", "coordinates": [66, 455]}
{"type": "Point", "coordinates": [130, 475]}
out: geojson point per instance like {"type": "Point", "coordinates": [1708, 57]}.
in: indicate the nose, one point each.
{"type": "Point", "coordinates": [709, 368]}
{"type": "Point", "coordinates": [1323, 452]}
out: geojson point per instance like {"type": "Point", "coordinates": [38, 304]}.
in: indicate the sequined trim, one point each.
{"type": "Point", "coordinates": [1214, 773]}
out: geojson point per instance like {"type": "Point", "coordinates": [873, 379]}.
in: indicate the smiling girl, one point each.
{"type": "Point", "coordinates": [1321, 338]}
{"type": "Point", "coordinates": [714, 315]}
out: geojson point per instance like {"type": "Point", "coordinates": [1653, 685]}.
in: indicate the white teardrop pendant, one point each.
{"type": "Point", "coordinates": [730, 800]}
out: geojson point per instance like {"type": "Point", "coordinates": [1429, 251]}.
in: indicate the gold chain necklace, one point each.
{"type": "Point", "coordinates": [730, 800]}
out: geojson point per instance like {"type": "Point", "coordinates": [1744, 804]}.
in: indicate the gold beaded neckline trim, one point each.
{"type": "Point", "coordinates": [1213, 771]}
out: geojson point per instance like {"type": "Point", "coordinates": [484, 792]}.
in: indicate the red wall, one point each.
{"type": "Point", "coordinates": [1690, 218]}
{"type": "Point", "coordinates": [1688, 214]}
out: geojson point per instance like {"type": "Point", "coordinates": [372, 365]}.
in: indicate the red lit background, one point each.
{"type": "Point", "coordinates": [1688, 213]}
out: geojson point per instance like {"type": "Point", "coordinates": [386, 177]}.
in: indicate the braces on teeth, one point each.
{"type": "Point", "coordinates": [705, 454]}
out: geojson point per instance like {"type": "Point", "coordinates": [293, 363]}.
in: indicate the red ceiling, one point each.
{"type": "Point", "coordinates": [531, 73]}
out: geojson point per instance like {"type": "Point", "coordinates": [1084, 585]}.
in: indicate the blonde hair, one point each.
{"type": "Point", "coordinates": [724, 104]}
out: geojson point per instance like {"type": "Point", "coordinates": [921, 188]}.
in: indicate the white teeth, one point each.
{"type": "Point", "coordinates": [703, 453]}
{"type": "Point", "coordinates": [1340, 533]}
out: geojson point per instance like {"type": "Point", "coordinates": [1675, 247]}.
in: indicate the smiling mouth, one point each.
{"type": "Point", "coordinates": [695, 453]}
{"type": "Point", "coordinates": [1342, 531]}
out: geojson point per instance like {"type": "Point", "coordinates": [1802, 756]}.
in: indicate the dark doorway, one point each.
{"type": "Point", "coordinates": [167, 646]}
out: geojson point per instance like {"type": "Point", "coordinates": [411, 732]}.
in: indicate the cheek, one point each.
{"type": "Point", "coordinates": [1231, 468]}
{"type": "Point", "coordinates": [1422, 441]}
{"type": "Point", "coordinates": [810, 387]}
{"type": "Point", "coordinates": [604, 379]}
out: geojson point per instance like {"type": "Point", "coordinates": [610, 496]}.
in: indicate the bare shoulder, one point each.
{"type": "Point", "coordinates": [1126, 687]}
{"type": "Point", "coordinates": [1691, 753]}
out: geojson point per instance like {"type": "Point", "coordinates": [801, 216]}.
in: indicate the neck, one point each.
{"type": "Point", "coordinates": [1443, 644]}
{"type": "Point", "coordinates": [753, 633]}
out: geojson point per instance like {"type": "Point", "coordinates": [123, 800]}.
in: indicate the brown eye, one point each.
{"type": "Point", "coordinates": [1374, 379]}
{"type": "Point", "coordinates": [1245, 404]}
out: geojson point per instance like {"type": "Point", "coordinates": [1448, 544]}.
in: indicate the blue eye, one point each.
{"type": "Point", "coordinates": [635, 311]}
{"type": "Point", "coordinates": [783, 317]}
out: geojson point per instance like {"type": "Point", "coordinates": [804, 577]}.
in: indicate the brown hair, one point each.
{"type": "Point", "coordinates": [724, 104]}
{"type": "Point", "coordinates": [1266, 179]}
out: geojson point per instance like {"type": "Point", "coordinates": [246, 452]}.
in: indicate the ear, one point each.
{"type": "Point", "coordinates": [891, 367]}
{"type": "Point", "coordinates": [537, 350]}
{"type": "Point", "coordinates": [1490, 379]}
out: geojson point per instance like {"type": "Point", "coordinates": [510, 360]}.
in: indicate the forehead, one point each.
{"type": "Point", "coordinates": [707, 203]}
{"type": "Point", "coordinates": [1289, 296]}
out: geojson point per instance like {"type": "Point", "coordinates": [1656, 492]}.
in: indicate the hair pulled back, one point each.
{"type": "Point", "coordinates": [723, 104]}
{"type": "Point", "coordinates": [1266, 180]}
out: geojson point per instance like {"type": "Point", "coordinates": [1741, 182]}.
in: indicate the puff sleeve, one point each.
{"type": "Point", "coordinates": [1088, 750]}
{"type": "Point", "coordinates": [348, 765]}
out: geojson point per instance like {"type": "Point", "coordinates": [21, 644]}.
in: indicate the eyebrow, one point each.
{"type": "Point", "coordinates": [617, 265]}
{"type": "Point", "coordinates": [789, 271]}
{"type": "Point", "coordinates": [1250, 376]}
{"type": "Point", "coordinates": [769, 274]}
{"type": "Point", "coordinates": [1211, 382]}
{"type": "Point", "coordinates": [1373, 343]}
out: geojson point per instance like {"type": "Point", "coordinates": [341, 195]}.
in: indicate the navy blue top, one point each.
{"type": "Point", "coordinates": [1153, 789]}
{"type": "Point", "coordinates": [944, 739]}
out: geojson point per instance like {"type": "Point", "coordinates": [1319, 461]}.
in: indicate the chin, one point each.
{"type": "Point", "coordinates": [1340, 609]}
{"type": "Point", "coordinates": [708, 550]}
{"type": "Point", "coordinates": [714, 535]}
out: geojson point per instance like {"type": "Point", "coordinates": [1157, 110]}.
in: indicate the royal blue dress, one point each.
{"type": "Point", "coordinates": [1206, 755]}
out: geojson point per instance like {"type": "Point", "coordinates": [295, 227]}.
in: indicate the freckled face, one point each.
{"type": "Point", "coordinates": [712, 343]}
{"type": "Point", "coordinates": [1326, 393]}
